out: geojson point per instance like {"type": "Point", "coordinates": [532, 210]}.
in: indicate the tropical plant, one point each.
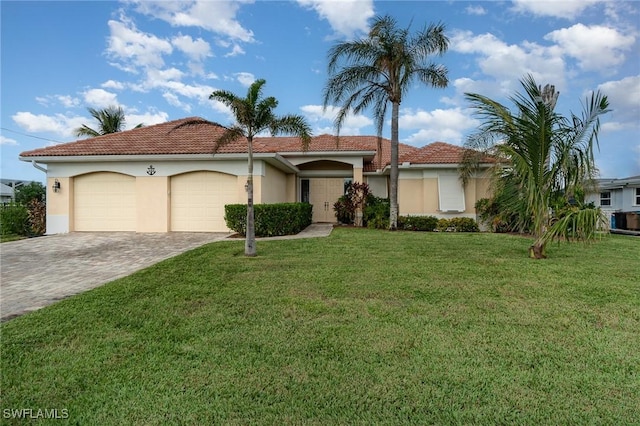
{"type": "Point", "coordinates": [30, 191]}
{"type": "Point", "coordinates": [380, 69]}
{"type": "Point", "coordinates": [110, 120]}
{"type": "Point", "coordinates": [254, 114]}
{"type": "Point", "coordinates": [549, 159]}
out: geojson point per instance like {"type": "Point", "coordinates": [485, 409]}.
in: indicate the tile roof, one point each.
{"type": "Point", "coordinates": [167, 139]}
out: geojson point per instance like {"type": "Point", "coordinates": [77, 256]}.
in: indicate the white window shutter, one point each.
{"type": "Point", "coordinates": [451, 193]}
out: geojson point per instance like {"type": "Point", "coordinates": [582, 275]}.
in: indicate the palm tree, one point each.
{"type": "Point", "coordinates": [549, 160]}
{"type": "Point", "coordinates": [254, 114]}
{"type": "Point", "coordinates": [110, 120]}
{"type": "Point", "coordinates": [379, 69]}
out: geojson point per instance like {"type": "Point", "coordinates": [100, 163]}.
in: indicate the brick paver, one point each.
{"type": "Point", "coordinates": [37, 272]}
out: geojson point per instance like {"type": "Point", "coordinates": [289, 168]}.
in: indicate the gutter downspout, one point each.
{"type": "Point", "coordinates": [37, 166]}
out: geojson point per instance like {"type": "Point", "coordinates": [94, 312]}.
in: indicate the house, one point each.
{"type": "Point", "coordinates": [617, 198]}
{"type": "Point", "coordinates": [165, 178]}
{"type": "Point", "coordinates": [6, 193]}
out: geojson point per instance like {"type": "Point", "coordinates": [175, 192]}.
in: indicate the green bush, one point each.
{"type": "Point", "coordinates": [14, 219]}
{"type": "Point", "coordinates": [376, 212]}
{"type": "Point", "coordinates": [32, 191]}
{"type": "Point", "coordinates": [457, 224]}
{"type": "Point", "coordinates": [271, 219]}
{"type": "Point", "coordinates": [417, 223]}
{"type": "Point", "coordinates": [355, 196]}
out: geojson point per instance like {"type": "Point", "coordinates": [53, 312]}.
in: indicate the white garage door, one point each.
{"type": "Point", "coordinates": [104, 202]}
{"type": "Point", "coordinates": [198, 200]}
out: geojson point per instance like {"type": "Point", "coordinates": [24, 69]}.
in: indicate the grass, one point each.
{"type": "Point", "coordinates": [11, 237]}
{"type": "Point", "coordinates": [362, 327]}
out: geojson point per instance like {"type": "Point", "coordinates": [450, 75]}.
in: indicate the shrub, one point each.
{"type": "Point", "coordinates": [418, 223]}
{"type": "Point", "coordinates": [457, 224]}
{"type": "Point", "coordinates": [14, 219]}
{"type": "Point", "coordinates": [345, 211]}
{"type": "Point", "coordinates": [376, 212]}
{"type": "Point", "coordinates": [271, 219]}
{"type": "Point", "coordinates": [32, 191]}
{"type": "Point", "coordinates": [37, 217]}
{"type": "Point", "coordinates": [355, 196]}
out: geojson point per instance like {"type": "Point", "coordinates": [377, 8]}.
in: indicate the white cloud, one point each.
{"type": "Point", "coordinates": [196, 50]}
{"type": "Point", "coordinates": [351, 125]}
{"type": "Point", "coordinates": [595, 47]}
{"type": "Point", "coordinates": [100, 98]}
{"type": "Point", "coordinates": [624, 101]}
{"type": "Point", "coordinates": [112, 84]}
{"type": "Point", "coordinates": [475, 10]}
{"type": "Point", "coordinates": [65, 100]}
{"type": "Point", "coordinates": [173, 100]}
{"type": "Point", "coordinates": [346, 17]}
{"type": "Point", "coordinates": [68, 101]}
{"type": "Point", "coordinates": [245, 78]}
{"type": "Point", "coordinates": [133, 49]}
{"type": "Point", "coordinates": [235, 51]}
{"type": "Point", "coordinates": [7, 141]}
{"type": "Point", "coordinates": [37, 123]}
{"type": "Point", "coordinates": [216, 16]}
{"type": "Point", "coordinates": [447, 125]}
{"type": "Point", "coordinates": [567, 9]}
{"type": "Point", "coordinates": [509, 62]}
{"type": "Point", "coordinates": [147, 119]}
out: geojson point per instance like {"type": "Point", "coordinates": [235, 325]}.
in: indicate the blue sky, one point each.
{"type": "Point", "coordinates": [161, 60]}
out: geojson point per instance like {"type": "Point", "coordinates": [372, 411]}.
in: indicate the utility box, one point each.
{"type": "Point", "coordinates": [633, 221]}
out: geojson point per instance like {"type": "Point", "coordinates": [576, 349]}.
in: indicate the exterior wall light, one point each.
{"type": "Point", "coordinates": [56, 186]}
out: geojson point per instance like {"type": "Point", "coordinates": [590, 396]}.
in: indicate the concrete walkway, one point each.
{"type": "Point", "coordinates": [39, 271]}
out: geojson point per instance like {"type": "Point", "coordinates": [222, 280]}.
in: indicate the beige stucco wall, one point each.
{"type": "Point", "coordinates": [60, 206]}
{"type": "Point", "coordinates": [418, 195]}
{"type": "Point", "coordinates": [273, 185]}
{"type": "Point", "coordinates": [292, 188]}
{"type": "Point", "coordinates": [152, 203]}
{"type": "Point", "coordinates": [411, 196]}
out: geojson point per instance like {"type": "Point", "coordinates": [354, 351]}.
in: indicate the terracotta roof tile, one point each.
{"type": "Point", "coordinates": [166, 139]}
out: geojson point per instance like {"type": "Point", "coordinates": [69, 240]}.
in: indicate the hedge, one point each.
{"type": "Point", "coordinates": [271, 220]}
{"type": "Point", "coordinates": [432, 223]}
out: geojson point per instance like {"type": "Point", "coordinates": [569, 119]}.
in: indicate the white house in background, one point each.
{"type": "Point", "coordinates": [6, 193]}
{"type": "Point", "coordinates": [617, 196]}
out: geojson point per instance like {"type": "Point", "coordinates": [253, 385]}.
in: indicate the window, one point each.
{"type": "Point", "coordinates": [347, 182]}
{"type": "Point", "coordinates": [637, 197]}
{"type": "Point", "coordinates": [605, 198]}
{"type": "Point", "coordinates": [451, 193]}
{"type": "Point", "coordinates": [304, 190]}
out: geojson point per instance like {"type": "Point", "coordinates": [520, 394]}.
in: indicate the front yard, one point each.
{"type": "Point", "coordinates": [362, 327]}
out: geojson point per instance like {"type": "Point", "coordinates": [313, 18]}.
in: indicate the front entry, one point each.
{"type": "Point", "coordinates": [322, 194]}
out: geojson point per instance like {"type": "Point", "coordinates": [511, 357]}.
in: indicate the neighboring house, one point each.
{"type": "Point", "coordinates": [617, 196]}
{"type": "Point", "coordinates": [6, 193]}
{"type": "Point", "coordinates": [160, 179]}
{"type": "Point", "coordinates": [8, 188]}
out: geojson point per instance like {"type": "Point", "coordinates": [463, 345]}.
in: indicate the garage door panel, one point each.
{"type": "Point", "coordinates": [105, 202]}
{"type": "Point", "coordinates": [198, 200]}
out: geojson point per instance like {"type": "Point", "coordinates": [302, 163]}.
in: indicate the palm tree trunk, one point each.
{"type": "Point", "coordinates": [250, 237]}
{"type": "Point", "coordinates": [393, 185]}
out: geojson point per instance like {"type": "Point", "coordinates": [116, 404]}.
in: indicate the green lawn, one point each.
{"type": "Point", "coordinates": [363, 327]}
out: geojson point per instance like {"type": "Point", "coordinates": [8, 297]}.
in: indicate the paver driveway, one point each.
{"type": "Point", "coordinates": [39, 271]}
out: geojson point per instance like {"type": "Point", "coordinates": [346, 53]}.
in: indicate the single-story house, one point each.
{"type": "Point", "coordinates": [616, 198]}
{"type": "Point", "coordinates": [165, 178]}
{"type": "Point", "coordinates": [6, 193]}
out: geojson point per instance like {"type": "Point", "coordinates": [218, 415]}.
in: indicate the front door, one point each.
{"type": "Point", "coordinates": [323, 193]}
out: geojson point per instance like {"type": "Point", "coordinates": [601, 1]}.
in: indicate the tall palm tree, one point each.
{"type": "Point", "coordinates": [380, 69]}
{"type": "Point", "coordinates": [110, 120]}
{"type": "Point", "coordinates": [549, 159]}
{"type": "Point", "coordinates": [254, 114]}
